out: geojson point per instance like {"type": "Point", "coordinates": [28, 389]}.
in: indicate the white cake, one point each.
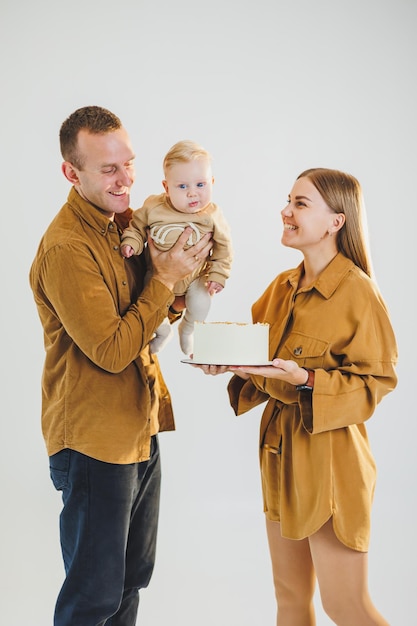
{"type": "Point", "coordinates": [230, 343]}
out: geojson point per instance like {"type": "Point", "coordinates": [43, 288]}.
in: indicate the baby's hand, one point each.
{"type": "Point", "coordinates": [213, 287]}
{"type": "Point", "coordinates": [127, 251]}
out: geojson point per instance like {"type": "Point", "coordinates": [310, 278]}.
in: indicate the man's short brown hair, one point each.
{"type": "Point", "coordinates": [93, 119]}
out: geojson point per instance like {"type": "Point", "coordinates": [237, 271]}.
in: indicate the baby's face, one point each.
{"type": "Point", "coordinates": [189, 185]}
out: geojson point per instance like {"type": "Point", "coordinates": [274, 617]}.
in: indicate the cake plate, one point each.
{"type": "Point", "coordinates": [192, 362]}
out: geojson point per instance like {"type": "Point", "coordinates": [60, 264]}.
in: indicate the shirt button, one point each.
{"type": "Point", "coordinates": [124, 282]}
{"type": "Point", "coordinates": [115, 247]}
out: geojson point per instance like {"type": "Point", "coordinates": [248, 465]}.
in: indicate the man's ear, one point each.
{"type": "Point", "coordinates": [69, 172]}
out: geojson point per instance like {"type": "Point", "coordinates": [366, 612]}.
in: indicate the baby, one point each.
{"type": "Point", "coordinates": [186, 202]}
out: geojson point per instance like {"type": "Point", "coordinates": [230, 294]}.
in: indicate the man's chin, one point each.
{"type": "Point", "coordinates": [120, 205]}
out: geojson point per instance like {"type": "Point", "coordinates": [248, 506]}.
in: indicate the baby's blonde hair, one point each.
{"type": "Point", "coordinates": [183, 152]}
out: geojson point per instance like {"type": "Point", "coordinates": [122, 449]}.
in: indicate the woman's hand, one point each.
{"type": "Point", "coordinates": [213, 370]}
{"type": "Point", "coordinates": [289, 371]}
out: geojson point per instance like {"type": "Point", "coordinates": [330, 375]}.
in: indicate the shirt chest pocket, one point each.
{"type": "Point", "coordinates": [306, 351]}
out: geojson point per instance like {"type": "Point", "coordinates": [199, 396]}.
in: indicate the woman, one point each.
{"type": "Point", "coordinates": [333, 354]}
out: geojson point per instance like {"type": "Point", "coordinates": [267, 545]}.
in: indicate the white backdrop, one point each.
{"type": "Point", "coordinates": [270, 88]}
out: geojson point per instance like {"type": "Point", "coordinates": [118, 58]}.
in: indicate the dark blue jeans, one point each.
{"type": "Point", "coordinates": [108, 528]}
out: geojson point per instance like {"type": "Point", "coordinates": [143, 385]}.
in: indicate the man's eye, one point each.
{"type": "Point", "coordinates": [109, 170]}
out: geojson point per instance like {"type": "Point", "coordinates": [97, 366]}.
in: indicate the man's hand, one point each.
{"type": "Point", "coordinates": [175, 264]}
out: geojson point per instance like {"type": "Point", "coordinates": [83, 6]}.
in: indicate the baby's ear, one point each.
{"type": "Point", "coordinates": [165, 185]}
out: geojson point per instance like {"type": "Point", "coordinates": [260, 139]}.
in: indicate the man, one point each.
{"type": "Point", "coordinates": [103, 396]}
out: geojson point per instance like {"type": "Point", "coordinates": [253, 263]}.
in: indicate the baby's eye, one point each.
{"type": "Point", "coordinates": [182, 186]}
{"type": "Point", "coordinates": [200, 184]}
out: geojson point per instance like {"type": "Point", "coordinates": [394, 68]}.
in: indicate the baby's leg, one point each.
{"type": "Point", "coordinates": [162, 335]}
{"type": "Point", "coordinates": [197, 303]}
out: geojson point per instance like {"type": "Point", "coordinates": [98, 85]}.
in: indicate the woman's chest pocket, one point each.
{"type": "Point", "coordinates": [305, 350]}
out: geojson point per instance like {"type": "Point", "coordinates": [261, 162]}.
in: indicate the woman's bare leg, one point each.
{"type": "Point", "coordinates": [294, 578]}
{"type": "Point", "coordinates": [342, 574]}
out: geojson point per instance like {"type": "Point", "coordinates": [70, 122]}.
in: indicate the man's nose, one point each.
{"type": "Point", "coordinates": [126, 176]}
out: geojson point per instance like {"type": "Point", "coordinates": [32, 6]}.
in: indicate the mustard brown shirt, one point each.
{"type": "Point", "coordinates": [103, 394]}
{"type": "Point", "coordinates": [316, 460]}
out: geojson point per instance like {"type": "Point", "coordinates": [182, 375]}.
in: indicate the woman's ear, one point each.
{"type": "Point", "coordinates": [69, 172]}
{"type": "Point", "coordinates": [338, 221]}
